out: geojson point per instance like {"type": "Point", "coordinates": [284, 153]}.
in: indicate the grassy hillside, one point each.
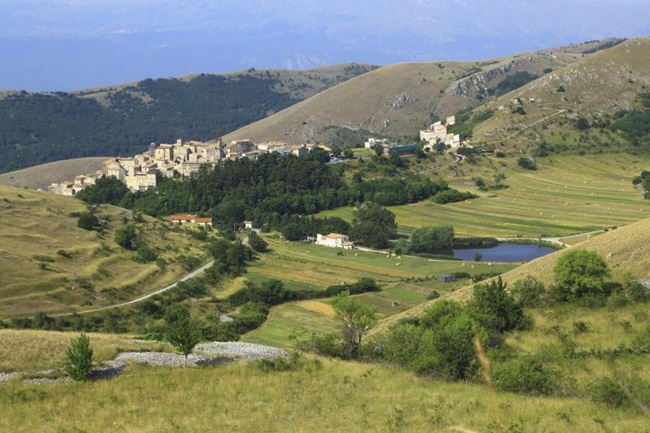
{"type": "Point", "coordinates": [49, 264]}
{"type": "Point", "coordinates": [336, 396]}
{"type": "Point", "coordinates": [566, 195]}
{"type": "Point", "coordinates": [399, 100]}
{"type": "Point", "coordinates": [595, 87]}
{"type": "Point", "coordinates": [124, 119]}
{"type": "Point", "coordinates": [41, 176]}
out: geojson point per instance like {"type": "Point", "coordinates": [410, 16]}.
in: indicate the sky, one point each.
{"type": "Point", "coordinates": [64, 45]}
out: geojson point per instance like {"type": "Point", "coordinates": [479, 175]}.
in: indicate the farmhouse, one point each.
{"type": "Point", "coordinates": [334, 240]}
{"type": "Point", "coordinates": [193, 219]}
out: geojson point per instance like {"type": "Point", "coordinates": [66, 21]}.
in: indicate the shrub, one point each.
{"type": "Point", "coordinates": [579, 273]}
{"type": "Point", "coordinates": [530, 292]}
{"type": "Point", "coordinates": [526, 163]}
{"type": "Point", "coordinates": [87, 221]}
{"type": "Point", "coordinates": [527, 376]}
{"type": "Point", "coordinates": [79, 358]}
{"type": "Point", "coordinates": [182, 331]}
{"type": "Point", "coordinates": [145, 254]}
{"type": "Point", "coordinates": [609, 392]}
{"type": "Point", "coordinates": [452, 196]}
{"type": "Point", "coordinates": [294, 362]}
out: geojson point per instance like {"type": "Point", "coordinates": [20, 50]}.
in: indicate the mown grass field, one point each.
{"type": "Point", "coordinates": [406, 281]}
{"type": "Point", "coordinates": [567, 195]}
{"type": "Point", "coordinates": [49, 264]}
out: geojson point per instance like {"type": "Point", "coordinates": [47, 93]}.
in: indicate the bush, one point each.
{"type": "Point", "coordinates": [579, 273]}
{"type": "Point", "coordinates": [145, 255]}
{"type": "Point", "coordinates": [527, 376]}
{"type": "Point", "coordinates": [87, 221]}
{"type": "Point", "coordinates": [526, 163]}
{"type": "Point", "coordinates": [530, 292]}
{"type": "Point", "coordinates": [79, 358]}
{"type": "Point", "coordinates": [452, 196]}
{"type": "Point", "coordinates": [294, 362]}
{"type": "Point", "coordinates": [609, 392]}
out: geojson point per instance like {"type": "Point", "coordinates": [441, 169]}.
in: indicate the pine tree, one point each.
{"type": "Point", "coordinates": [79, 358]}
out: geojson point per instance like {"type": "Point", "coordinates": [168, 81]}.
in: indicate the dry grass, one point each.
{"type": "Point", "coordinates": [35, 276]}
{"type": "Point", "coordinates": [41, 176]}
{"type": "Point", "coordinates": [394, 99]}
{"type": "Point", "coordinates": [32, 351]}
{"type": "Point", "coordinates": [338, 397]}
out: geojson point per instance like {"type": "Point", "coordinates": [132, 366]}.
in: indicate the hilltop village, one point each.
{"type": "Point", "coordinates": [184, 158]}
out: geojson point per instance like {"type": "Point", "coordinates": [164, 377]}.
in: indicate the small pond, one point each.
{"type": "Point", "coordinates": [503, 253]}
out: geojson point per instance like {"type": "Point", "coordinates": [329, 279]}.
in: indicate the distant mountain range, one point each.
{"type": "Point", "coordinates": [82, 43]}
{"type": "Point", "coordinates": [339, 105]}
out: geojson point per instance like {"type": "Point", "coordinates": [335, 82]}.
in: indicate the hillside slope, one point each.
{"type": "Point", "coordinates": [41, 176]}
{"type": "Point", "coordinates": [625, 249]}
{"type": "Point", "coordinates": [124, 119]}
{"type": "Point", "coordinates": [49, 264]}
{"type": "Point", "coordinates": [401, 99]}
{"type": "Point", "coordinates": [595, 88]}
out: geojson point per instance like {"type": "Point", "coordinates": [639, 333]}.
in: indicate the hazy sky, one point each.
{"type": "Point", "coordinates": [74, 44]}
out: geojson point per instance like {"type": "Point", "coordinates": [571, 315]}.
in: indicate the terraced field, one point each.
{"type": "Point", "coordinates": [566, 195]}
{"type": "Point", "coordinates": [405, 282]}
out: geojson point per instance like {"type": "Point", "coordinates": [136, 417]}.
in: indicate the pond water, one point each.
{"type": "Point", "coordinates": [504, 253]}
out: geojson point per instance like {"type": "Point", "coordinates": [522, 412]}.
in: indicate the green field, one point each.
{"type": "Point", "coordinates": [566, 195]}
{"type": "Point", "coordinates": [406, 281]}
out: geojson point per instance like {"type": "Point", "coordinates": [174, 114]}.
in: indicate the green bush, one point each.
{"type": "Point", "coordinates": [294, 362]}
{"type": "Point", "coordinates": [79, 358]}
{"type": "Point", "coordinates": [609, 392]}
{"type": "Point", "coordinates": [526, 163]}
{"type": "Point", "coordinates": [527, 376]}
{"type": "Point", "coordinates": [579, 273]}
{"type": "Point", "coordinates": [87, 221]}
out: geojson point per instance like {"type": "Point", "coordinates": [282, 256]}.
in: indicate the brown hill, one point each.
{"type": "Point", "coordinates": [41, 176]}
{"type": "Point", "coordinates": [400, 99]}
{"type": "Point", "coordinates": [593, 87]}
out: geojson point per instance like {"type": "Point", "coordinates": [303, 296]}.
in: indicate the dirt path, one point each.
{"type": "Point", "coordinates": [192, 274]}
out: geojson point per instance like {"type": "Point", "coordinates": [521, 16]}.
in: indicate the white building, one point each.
{"type": "Point", "coordinates": [334, 240]}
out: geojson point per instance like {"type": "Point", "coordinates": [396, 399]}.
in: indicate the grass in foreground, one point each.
{"type": "Point", "coordinates": [338, 396]}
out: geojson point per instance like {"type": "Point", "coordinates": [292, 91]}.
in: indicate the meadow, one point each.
{"type": "Point", "coordinates": [566, 195]}
{"type": "Point", "coordinates": [321, 395]}
{"type": "Point", "coordinates": [406, 281]}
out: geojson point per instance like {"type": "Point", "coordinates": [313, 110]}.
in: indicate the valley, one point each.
{"type": "Point", "coordinates": [384, 332]}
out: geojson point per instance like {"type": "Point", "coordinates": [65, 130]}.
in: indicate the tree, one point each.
{"type": "Point", "coordinates": [582, 124]}
{"type": "Point", "coordinates": [526, 163]}
{"type": "Point", "coordinates": [578, 273]}
{"type": "Point", "coordinates": [432, 238]}
{"type": "Point", "coordinates": [257, 243]}
{"type": "Point", "coordinates": [357, 320]}
{"type": "Point", "coordinates": [87, 221]}
{"type": "Point", "coordinates": [79, 358]}
{"type": "Point", "coordinates": [182, 331]}
{"type": "Point", "coordinates": [495, 309]}
{"type": "Point", "coordinates": [373, 225]}
{"type": "Point", "coordinates": [126, 237]}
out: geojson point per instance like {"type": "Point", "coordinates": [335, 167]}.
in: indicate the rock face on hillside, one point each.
{"type": "Point", "coordinates": [399, 100]}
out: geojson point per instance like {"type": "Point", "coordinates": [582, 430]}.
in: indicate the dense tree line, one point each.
{"type": "Point", "coordinates": [38, 128]}
{"type": "Point", "coordinates": [272, 191]}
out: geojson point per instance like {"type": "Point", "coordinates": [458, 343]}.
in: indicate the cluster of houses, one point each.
{"type": "Point", "coordinates": [436, 137]}
{"type": "Point", "coordinates": [437, 134]}
{"type": "Point", "coordinates": [139, 172]}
